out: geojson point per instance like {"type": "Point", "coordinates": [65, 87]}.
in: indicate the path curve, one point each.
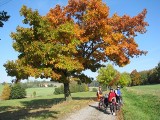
{"type": "Point", "coordinates": [90, 113]}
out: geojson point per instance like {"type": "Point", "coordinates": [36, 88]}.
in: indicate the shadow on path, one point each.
{"type": "Point", "coordinates": [105, 110]}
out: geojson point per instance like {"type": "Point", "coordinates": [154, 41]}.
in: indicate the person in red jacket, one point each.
{"type": "Point", "coordinates": [111, 95]}
{"type": "Point", "coordinates": [112, 100]}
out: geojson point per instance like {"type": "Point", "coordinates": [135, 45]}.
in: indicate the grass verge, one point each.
{"type": "Point", "coordinates": [140, 103]}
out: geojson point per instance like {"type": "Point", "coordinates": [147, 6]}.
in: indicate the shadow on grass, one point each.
{"type": "Point", "coordinates": [37, 108]}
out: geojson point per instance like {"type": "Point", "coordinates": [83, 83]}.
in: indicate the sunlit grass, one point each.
{"type": "Point", "coordinates": [41, 91]}
{"type": "Point", "coordinates": [141, 102]}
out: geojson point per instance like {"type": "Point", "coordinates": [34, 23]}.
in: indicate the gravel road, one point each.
{"type": "Point", "coordinates": [90, 113]}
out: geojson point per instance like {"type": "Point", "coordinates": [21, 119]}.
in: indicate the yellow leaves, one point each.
{"type": "Point", "coordinates": [113, 49]}
{"type": "Point", "coordinates": [68, 63]}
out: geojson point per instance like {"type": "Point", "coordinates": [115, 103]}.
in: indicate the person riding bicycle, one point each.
{"type": "Point", "coordinates": [112, 100]}
{"type": "Point", "coordinates": [118, 94]}
{"type": "Point", "coordinates": [99, 95]}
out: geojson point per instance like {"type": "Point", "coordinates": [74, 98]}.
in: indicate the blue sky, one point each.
{"type": "Point", "coordinates": [148, 41]}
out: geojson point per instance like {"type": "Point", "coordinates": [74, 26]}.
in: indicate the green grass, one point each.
{"type": "Point", "coordinates": [141, 102]}
{"type": "Point", "coordinates": [45, 106]}
{"type": "Point", "coordinates": [48, 91]}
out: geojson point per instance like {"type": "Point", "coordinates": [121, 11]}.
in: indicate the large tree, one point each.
{"type": "Point", "coordinates": [74, 38]}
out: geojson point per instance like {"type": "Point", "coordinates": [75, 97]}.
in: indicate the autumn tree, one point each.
{"type": "Point", "coordinates": [70, 39]}
{"type": "Point", "coordinates": [135, 77]}
{"type": "Point", "coordinates": [107, 75]}
{"type": "Point", "coordinates": [6, 92]}
{"type": "Point", "coordinates": [125, 79]}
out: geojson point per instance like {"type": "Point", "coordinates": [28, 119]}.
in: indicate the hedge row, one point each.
{"type": "Point", "coordinates": [74, 87]}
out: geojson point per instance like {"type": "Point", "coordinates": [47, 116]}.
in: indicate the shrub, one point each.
{"type": "Point", "coordinates": [94, 90]}
{"type": "Point", "coordinates": [73, 87]}
{"type": "Point", "coordinates": [6, 92]}
{"type": "Point", "coordinates": [17, 91]}
{"type": "Point", "coordinates": [34, 94]}
{"type": "Point", "coordinates": [59, 90]}
{"type": "Point", "coordinates": [83, 88]}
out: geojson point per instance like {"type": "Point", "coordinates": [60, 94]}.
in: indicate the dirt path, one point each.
{"type": "Point", "coordinates": [90, 113]}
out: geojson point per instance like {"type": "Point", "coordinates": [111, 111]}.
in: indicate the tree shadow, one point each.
{"type": "Point", "coordinates": [42, 103]}
{"type": "Point", "coordinates": [37, 108]}
{"type": "Point", "coordinates": [105, 111]}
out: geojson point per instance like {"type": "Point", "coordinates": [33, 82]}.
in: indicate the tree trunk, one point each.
{"type": "Point", "coordinates": [67, 93]}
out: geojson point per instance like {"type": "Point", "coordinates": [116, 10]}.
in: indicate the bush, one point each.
{"type": "Point", "coordinates": [34, 94]}
{"type": "Point", "coordinates": [59, 90]}
{"type": "Point", "coordinates": [17, 91]}
{"type": "Point", "coordinates": [94, 90]}
{"type": "Point", "coordinates": [6, 92]}
{"type": "Point", "coordinates": [83, 87]}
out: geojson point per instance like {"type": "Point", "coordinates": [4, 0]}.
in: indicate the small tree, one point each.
{"type": "Point", "coordinates": [125, 79]}
{"type": "Point", "coordinates": [135, 77]}
{"type": "Point", "coordinates": [107, 75]}
{"type": "Point", "coordinates": [6, 92]}
{"type": "Point", "coordinates": [17, 92]}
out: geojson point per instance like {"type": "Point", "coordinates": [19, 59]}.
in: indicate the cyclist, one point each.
{"type": "Point", "coordinates": [112, 101]}
{"type": "Point", "coordinates": [118, 95]}
{"type": "Point", "coordinates": [99, 95]}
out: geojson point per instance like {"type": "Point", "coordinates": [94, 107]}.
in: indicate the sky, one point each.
{"type": "Point", "coordinates": [148, 41]}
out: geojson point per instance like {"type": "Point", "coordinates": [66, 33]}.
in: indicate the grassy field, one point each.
{"type": "Point", "coordinates": [47, 91]}
{"type": "Point", "coordinates": [45, 105]}
{"type": "Point", "coordinates": [141, 102]}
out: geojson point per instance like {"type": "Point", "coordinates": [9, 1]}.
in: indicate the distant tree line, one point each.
{"type": "Point", "coordinates": [74, 87]}
{"type": "Point", "coordinates": [146, 77]}
{"type": "Point", "coordinates": [36, 83]}
{"type": "Point", "coordinates": [109, 76]}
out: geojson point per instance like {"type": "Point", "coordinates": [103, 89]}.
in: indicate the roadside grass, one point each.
{"type": "Point", "coordinates": [44, 107]}
{"type": "Point", "coordinates": [141, 102]}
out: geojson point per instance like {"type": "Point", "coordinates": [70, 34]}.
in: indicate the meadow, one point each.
{"type": "Point", "coordinates": [45, 105]}
{"type": "Point", "coordinates": [141, 102]}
